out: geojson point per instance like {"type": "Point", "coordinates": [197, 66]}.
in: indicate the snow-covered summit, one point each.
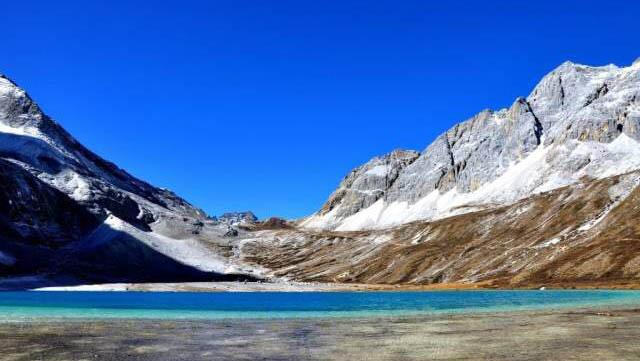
{"type": "Point", "coordinates": [578, 121]}
{"type": "Point", "coordinates": [30, 138]}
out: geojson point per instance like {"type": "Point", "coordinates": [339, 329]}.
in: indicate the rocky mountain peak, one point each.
{"type": "Point", "coordinates": [33, 140]}
{"type": "Point", "coordinates": [578, 120]}
{"type": "Point", "coordinates": [68, 213]}
{"type": "Point", "coordinates": [238, 217]}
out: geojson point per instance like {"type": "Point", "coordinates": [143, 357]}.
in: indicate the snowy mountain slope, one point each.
{"type": "Point", "coordinates": [37, 143]}
{"type": "Point", "coordinates": [58, 198]}
{"type": "Point", "coordinates": [579, 121]}
{"type": "Point", "coordinates": [119, 251]}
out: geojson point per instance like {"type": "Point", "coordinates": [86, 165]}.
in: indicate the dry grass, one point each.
{"type": "Point", "coordinates": [505, 247]}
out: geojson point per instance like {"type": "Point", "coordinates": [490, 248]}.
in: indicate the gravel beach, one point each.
{"type": "Point", "coordinates": [585, 334]}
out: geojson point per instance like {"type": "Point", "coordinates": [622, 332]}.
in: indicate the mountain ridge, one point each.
{"type": "Point", "coordinates": [572, 105]}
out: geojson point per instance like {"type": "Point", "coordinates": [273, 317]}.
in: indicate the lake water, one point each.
{"type": "Point", "coordinates": [184, 305]}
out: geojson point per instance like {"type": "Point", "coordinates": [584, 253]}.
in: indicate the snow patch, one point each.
{"type": "Point", "coordinates": [84, 288]}
{"type": "Point", "coordinates": [551, 242]}
{"type": "Point", "coordinates": [519, 179]}
{"type": "Point", "coordinates": [188, 251]}
{"type": "Point", "coordinates": [71, 183]}
{"type": "Point", "coordinates": [4, 128]}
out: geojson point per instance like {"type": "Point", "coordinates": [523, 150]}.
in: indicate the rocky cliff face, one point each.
{"type": "Point", "coordinates": [578, 121]}
{"type": "Point", "coordinates": [367, 183]}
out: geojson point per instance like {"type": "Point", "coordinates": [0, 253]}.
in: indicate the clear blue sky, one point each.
{"type": "Point", "coordinates": [266, 105]}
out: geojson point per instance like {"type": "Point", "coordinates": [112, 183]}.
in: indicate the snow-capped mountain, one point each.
{"type": "Point", "coordinates": [579, 121]}
{"type": "Point", "coordinates": [38, 144]}
{"type": "Point", "coordinates": [61, 202]}
{"type": "Point", "coordinates": [544, 192]}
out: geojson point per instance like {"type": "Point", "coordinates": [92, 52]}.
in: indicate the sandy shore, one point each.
{"type": "Point", "coordinates": [263, 287]}
{"type": "Point", "coordinates": [210, 287]}
{"type": "Point", "coordinates": [597, 334]}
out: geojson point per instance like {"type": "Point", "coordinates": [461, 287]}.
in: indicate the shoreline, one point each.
{"type": "Point", "coordinates": [329, 287]}
{"type": "Point", "coordinates": [601, 333]}
{"type": "Point", "coordinates": [418, 316]}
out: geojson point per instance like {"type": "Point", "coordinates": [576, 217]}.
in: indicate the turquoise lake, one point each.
{"type": "Point", "coordinates": [185, 305]}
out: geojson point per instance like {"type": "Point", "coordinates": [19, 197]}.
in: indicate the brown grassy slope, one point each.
{"type": "Point", "coordinates": [501, 247]}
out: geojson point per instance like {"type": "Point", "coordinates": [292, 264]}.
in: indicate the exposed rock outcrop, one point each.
{"type": "Point", "coordinates": [368, 183]}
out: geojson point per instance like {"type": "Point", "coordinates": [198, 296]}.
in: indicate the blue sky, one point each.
{"type": "Point", "coordinates": [266, 105]}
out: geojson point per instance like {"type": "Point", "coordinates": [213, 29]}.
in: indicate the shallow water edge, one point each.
{"type": "Point", "coordinates": [278, 305]}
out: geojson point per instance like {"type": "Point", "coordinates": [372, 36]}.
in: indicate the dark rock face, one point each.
{"type": "Point", "coordinates": [36, 220]}
{"type": "Point", "coordinates": [125, 208]}
{"type": "Point", "coordinates": [33, 212]}
{"type": "Point", "coordinates": [231, 232]}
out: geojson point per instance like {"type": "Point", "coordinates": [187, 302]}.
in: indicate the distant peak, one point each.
{"type": "Point", "coordinates": [237, 217]}
{"type": "Point", "coordinates": [7, 79]}
{"type": "Point", "coordinates": [636, 62]}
